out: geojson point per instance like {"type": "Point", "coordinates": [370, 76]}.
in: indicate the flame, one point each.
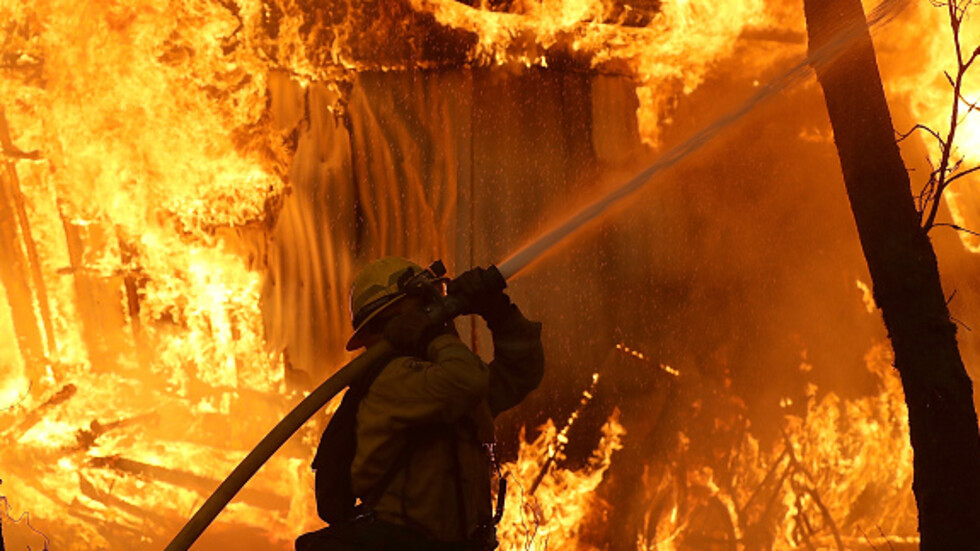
{"type": "Point", "coordinates": [841, 473]}
{"type": "Point", "coordinates": [555, 515]}
{"type": "Point", "coordinates": [13, 379]}
{"type": "Point", "coordinates": [142, 154]}
{"type": "Point", "coordinates": [667, 47]}
{"type": "Point", "coordinates": [920, 83]}
{"type": "Point", "coordinates": [669, 53]}
{"type": "Point", "coordinates": [138, 148]}
{"type": "Point", "coordinates": [867, 297]}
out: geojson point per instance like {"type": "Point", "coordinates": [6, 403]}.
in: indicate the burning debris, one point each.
{"type": "Point", "coordinates": [554, 508]}
{"type": "Point", "coordinates": [820, 485]}
{"type": "Point", "coordinates": [185, 184]}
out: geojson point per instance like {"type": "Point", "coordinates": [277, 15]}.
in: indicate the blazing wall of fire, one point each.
{"type": "Point", "coordinates": [187, 187]}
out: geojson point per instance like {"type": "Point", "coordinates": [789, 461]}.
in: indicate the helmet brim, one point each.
{"type": "Point", "coordinates": [356, 340]}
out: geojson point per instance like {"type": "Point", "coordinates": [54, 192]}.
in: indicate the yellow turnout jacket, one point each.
{"type": "Point", "coordinates": [428, 417]}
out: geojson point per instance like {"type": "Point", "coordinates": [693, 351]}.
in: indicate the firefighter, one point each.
{"type": "Point", "coordinates": [416, 447]}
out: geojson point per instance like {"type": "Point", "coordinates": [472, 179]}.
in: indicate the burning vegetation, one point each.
{"type": "Point", "coordinates": [187, 187]}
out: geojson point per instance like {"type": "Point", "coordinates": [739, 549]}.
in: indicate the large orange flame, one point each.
{"type": "Point", "coordinates": [140, 174]}
{"type": "Point", "coordinates": [140, 150]}
{"type": "Point", "coordinates": [918, 77]}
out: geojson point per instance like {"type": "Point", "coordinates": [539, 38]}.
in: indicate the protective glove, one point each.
{"type": "Point", "coordinates": [482, 292]}
{"type": "Point", "coordinates": [411, 331]}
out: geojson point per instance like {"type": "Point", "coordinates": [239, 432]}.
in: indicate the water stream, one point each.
{"type": "Point", "coordinates": [798, 73]}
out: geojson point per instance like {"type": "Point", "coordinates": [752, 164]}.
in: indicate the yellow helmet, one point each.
{"type": "Point", "coordinates": [374, 290]}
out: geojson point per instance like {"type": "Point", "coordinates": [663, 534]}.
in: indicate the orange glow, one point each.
{"type": "Point", "coordinates": [669, 54]}
{"type": "Point", "coordinates": [564, 501]}
{"type": "Point", "coordinates": [920, 81]}
{"type": "Point", "coordinates": [13, 380]}
{"type": "Point", "coordinates": [149, 158]}
{"type": "Point", "coordinates": [842, 472]}
{"type": "Point", "coordinates": [144, 177]}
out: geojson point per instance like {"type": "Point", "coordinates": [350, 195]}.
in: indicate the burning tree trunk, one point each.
{"type": "Point", "coordinates": [907, 287]}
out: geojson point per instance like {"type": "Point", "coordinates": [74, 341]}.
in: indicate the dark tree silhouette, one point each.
{"type": "Point", "coordinates": [907, 287]}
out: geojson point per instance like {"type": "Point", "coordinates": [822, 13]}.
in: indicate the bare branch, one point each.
{"type": "Point", "coordinates": [867, 539]}
{"type": "Point", "coordinates": [951, 297]}
{"type": "Point", "coordinates": [882, 532]}
{"type": "Point", "coordinates": [955, 19]}
{"type": "Point", "coordinates": [973, 57]}
{"type": "Point", "coordinates": [971, 106]}
{"type": "Point", "coordinates": [959, 321]}
{"type": "Point", "coordinates": [959, 175]}
{"type": "Point", "coordinates": [948, 172]}
{"type": "Point", "coordinates": [934, 209]}
{"type": "Point", "coordinates": [935, 197]}
{"type": "Point", "coordinates": [956, 227]}
{"type": "Point", "coordinates": [924, 128]}
{"type": "Point", "coordinates": [922, 201]}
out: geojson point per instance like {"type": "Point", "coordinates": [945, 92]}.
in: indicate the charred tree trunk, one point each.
{"type": "Point", "coordinates": [907, 287]}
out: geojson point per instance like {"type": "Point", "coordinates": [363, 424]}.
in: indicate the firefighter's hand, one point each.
{"type": "Point", "coordinates": [411, 331]}
{"type": "Point", "coordinates": [482, 292]}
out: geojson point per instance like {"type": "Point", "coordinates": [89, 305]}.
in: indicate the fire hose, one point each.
{"type": "Point", "coordinates": [449, 307]}
{"type": "Point", "coordinates": [440, 310]}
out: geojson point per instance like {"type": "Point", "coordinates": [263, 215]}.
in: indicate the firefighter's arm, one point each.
{"type": "Point", "coordinates": [447, 384]}
{"type": "Point", "coordinates": [518, 359]}
{"type": "Point", "coordinates": [518, 364]}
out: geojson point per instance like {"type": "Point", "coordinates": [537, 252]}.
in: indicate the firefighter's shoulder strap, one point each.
{"type": "Point", "coordinates": [335, 499]}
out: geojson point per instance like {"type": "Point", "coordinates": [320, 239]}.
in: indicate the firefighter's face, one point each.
{"type": "Point", "coordinates": [375, 329]}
